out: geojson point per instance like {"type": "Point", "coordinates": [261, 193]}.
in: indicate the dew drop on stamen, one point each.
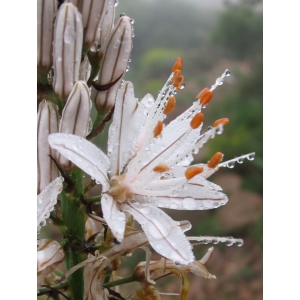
{"type": "Point", "coordinates": [182, 86]}
{"type": "Point", "coordinates": [132, 21]}
{"type": "Point", "coordinates": [230, 165]}
{"type": "Point", "coordinates": [215, 241]}
{"type": "Point", "coordinates": [227, 73]}
{"type": "Point", "coordinates": [229, 243]}
{"type": "Point", "coordinates": [240, 160]}
{"type": "Point", "coordinates": [251, 156]}
{"type": "Point", "coordinates": [122, 15]}
{"type": "Point", "coordinates": [116, 3]}
{"type": "Point", "coordinates": [127, 69]}
{"type": "Point", "coordinates": [240, 243]}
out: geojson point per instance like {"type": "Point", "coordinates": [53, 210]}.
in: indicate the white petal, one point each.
{"type": "Point", "coordinates": [84, 154]}
{"type": "Point", "coordinates": [124, 130]}
{"type": "Point", "coordinates": [47, 199]}
{"type": "Point", "coordinates": [193, 196]}
{"type": "Point", "coordinates": [114, 217]}
{"type": "Point", "coordinates": [164, 234]}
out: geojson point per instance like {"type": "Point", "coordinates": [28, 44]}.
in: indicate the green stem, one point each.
{"type": "Point", "coordinates": [93, 199]}
{"type": "Point", "coordinates": [59, 273]}
{"type": "Point", "coordinates": [55, 287]}
{"type": "Point", "coordinates": [119, 282]}
{"type": "Point", "coordinates": [73, 215]}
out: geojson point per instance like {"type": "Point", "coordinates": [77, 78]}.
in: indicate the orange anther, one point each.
{"type": "Point", "coordinates": [223, 121]}
{"type": "Point", "coordinates": [161, 168]}
{"type": "Point", "coordinates": [171, 104]}
{"type": "Point", "coordinates": [192, 171]}
{"type": "Point", "coordinates": [197, 120]}
{"type": "Point", "coordinates": [204, 96]}
{"type": "Point", "coordinates": [177, 65]}
{"type": "Point", "coordinates": [177, 79]}
{"type": "Point", "coordinates": [215, 160]}
{"type": "Point", "coordinates": [158, 129]}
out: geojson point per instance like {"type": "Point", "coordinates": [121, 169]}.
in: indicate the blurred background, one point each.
{"type": "Point", "coordinates": [211, 36]}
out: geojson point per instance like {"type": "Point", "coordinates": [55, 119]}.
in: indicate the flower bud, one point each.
{"type": "Point", "coordinates": [75, 116]}
{"type": "Point", "coordinates": [49, 255]}
{"type": "Point", "coordinates": [47, 123]}
{"type": "Point", "coordinates": [46, 10]}
{"type": "Point", "coordinates": [114, 64]}
{"type": "Point", "coordinates": [93, 13]}
{"type": "Point", "coordinates": [67, 46]}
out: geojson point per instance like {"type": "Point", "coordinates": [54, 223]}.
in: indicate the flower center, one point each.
{"type": "Point", "coordinates": [118, 190]}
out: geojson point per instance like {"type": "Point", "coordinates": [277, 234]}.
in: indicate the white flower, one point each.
{"type": "Point", "coordinates": [147, 165]}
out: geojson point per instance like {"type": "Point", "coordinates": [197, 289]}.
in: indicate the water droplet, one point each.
{"type": "Point", "coordinates": [132, 21]}
{"type": "Point", "coordinates": [145, 210]}
{"type": "Point", "coordinates": [230, 164]}
{"type": "Point", "coordinates": [175, 92]}
{"type": "Point", "coordinates": [122, 15]}
{"type": "Point", "coordinates": [227, 73]}
{"type": "Point", "coordinates": [215, 241]}
{"type": "Point", "coordinates": [229, 243]}
{"type": "Point", "coordinates": [240, 243]}
{"type": "Point", "coordinates": [219, 130]}
{"type": "Point", "coordinates": [116, 3]}
{"type": "Point", "coordinates": [216, 204]}
{"type": "Point", "coordinates": [182, 86]}
{"type": "Point", "coordinates": [195, 151]}
{"type": "Point", "coordinates": [240, 160]}
{"type": "Point", "coordinates": [133, 35]}
{"type": "Point", "coordinates": [127, 68]}
{"type": "Point", "coordinates": [219, 81]}
{"type": "Point", "coordinates": [251, 156]}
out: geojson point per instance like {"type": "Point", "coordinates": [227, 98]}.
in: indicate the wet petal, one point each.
{"type": "Point", "coordinates": [47, 199]}
{"type": "Point", "coordinates": [113, 216]}
{"type": "Point", "coordinates": [163, 233]}
{"type": "Point", "coordinates": [84, 154]}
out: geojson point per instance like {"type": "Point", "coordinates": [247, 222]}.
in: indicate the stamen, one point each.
{"type": "Point", "coordinates": [171, 104]}
{"type": "Point", "coordinates": [220, 80]}
{"type": "Point", "coordinates": [158, 129]}
{"type": "Point", "coordinates": [177, 79]}
{"type": "Point", "coordinates": [161, 168]}
{"type": "Point", "coordinates": [204, 96]}
{"type": "Point", "coordinates": [192, 171]}
{"type": "Point", "coordinates": [229, 241]}
{"type": "Point", "coordinates": [223, 121]}
{"type": "Point", "coordinates": [197, 120]}
{"type": "Point", "coordinates": [215, 160]}
{"type": "Point", "coordinates": [230, 163]}
{"type": "Point", "coordinates": [177, 65]}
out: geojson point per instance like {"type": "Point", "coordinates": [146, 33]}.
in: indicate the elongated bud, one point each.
{"type": "Point", "coordinates": [114, 64]}
{"type": "Point", "coordinates": [46, 10]}
{"type": "Point", "coordinates": [107, 24]}
{"type": "Point", "coordinates": [47, 123]}
{"type": "Point", "coordinates": [93, 13]}
{"type": "Point", "coordinates": [75, 116]}
{"type": "Point", "coordinates": [67, 46]}
{"type": "Point", "coordinates": [49, 255]}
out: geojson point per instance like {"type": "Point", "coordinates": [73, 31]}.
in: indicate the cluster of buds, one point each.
{"type": "Point", "coordinates": [83, 56]}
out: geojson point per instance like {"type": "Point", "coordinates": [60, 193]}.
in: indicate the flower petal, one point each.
{"type": "Point", "coordinates": [115, 219]}
{"type": "Point", "coordinates": [124, 129]}
{"type": "Point", "coordinates": [164, 234]}
{"type": "Point", "coordinates": [47, 199]}
{"type": "Point", "coordinates": [84, 154]}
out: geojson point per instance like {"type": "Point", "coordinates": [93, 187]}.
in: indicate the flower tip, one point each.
{"type": "Point", "coordinates": [223, 121]}
{"type": "Point", "coordinates": [177, 65]}
{"type": "Point", "coordinates": [205, 96]}
{"type": "Point", "coordinates": [215, 160]}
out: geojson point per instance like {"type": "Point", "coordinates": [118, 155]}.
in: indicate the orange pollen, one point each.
{"type": "Point", "coordinates": [177, 65]}
{"type": "Point", "coordinates": [171, 104]}
{"type": "Point", "coordinates": [192, 171]}
{"type": "Point", "coordinates": [177, 79]}
{"type": "Point", "coordinates": [223, 121]}
{"type": "Point", "coordinates": [215, 160]}
{"type": "Point", "coordinates": [204, 96]}
{"type": "Point", "coordinates": [161, 168]}
{"type": "Point", "coordinates": [158, 129]}
{"type": "Point", "coordinates": [197, 120]}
